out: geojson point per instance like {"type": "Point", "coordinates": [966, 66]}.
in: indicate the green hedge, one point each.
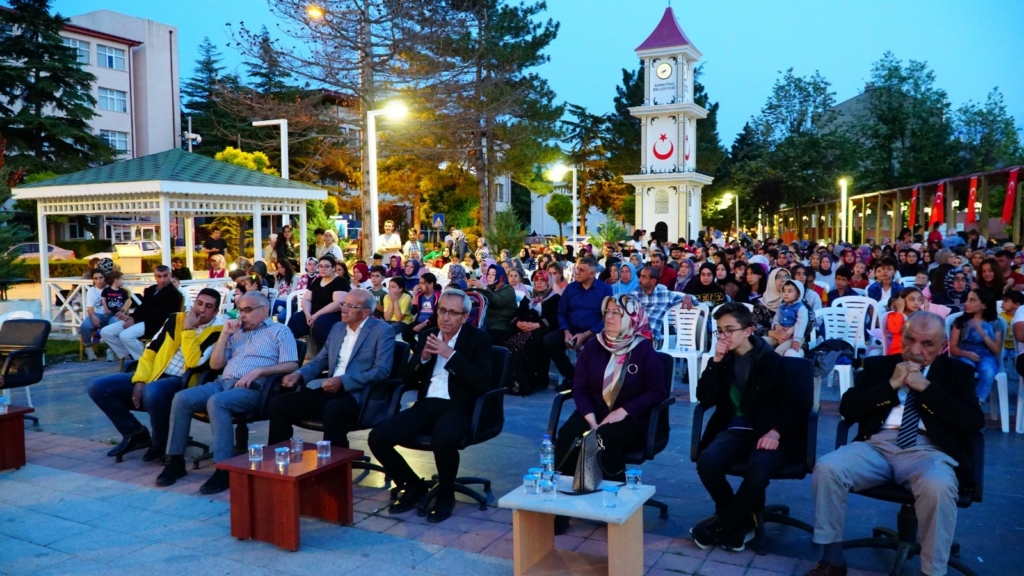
{"type": "Point", "coordinates": [75, 268]}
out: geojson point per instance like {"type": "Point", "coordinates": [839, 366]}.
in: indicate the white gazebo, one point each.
{"type": "Point", "coordinates": [172, 183]}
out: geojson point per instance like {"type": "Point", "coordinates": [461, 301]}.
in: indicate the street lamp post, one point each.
{"type": "Point", "coordinates": [844, 225]}
{"type": "Point", "coordinates": [557, 174]}
{"type": "Point", "coordinates": [283, 123]}
{"type": "Point", "coordinates": [394, 111]}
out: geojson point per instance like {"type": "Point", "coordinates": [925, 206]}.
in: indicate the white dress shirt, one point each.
{"type": "Point", "coordinates": [439, 377]}
{"type": "Point", "coordinates": [348, 345]}
{"type": "Point", "coordinates": [895, 418]}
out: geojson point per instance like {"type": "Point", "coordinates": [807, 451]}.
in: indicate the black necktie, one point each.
{"type": "Point", "coordinates": [908, 427]}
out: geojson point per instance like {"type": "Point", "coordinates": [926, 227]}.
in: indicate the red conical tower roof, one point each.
{"type": "Point", "coordinates": [668, 34]}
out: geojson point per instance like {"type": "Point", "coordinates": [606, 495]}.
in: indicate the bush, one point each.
{"type": "Point", "coordinates": [75, 268]}
{"type": "Point", "coordinates": [83, 248]}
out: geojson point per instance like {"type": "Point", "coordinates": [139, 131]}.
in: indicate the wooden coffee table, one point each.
{"type": "Point", "coordinates": [266, 501]}
{"type": "Point", "coordinates": [533, 531]}
{"type": "Point", "coordinates": [12, 437]}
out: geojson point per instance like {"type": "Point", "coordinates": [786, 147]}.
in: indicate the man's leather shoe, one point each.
{"type": "Point", "coordinates": [219, 482]}
{"type": "Point", "coordinates": [825, 569]}
{"type": "Point", "coordinates": [409, 498]}
{"type": "Point", "coordinates": [442, 511]}
{"type": "Point", "coordinates": [136, 441]}
{"type": "Point", "coordinates": [154, 453]}
{"type": "Point", "coordinates": [174, 469]}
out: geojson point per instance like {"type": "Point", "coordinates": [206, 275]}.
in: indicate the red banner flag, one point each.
{"type": "Point", "coordinates": [913, 208]}
{"type": "Point", "coordinates": [1011, 197]}
{"type": "Point", "coordinates": [938, 208]}
{"type": "Point", "coordinates": [972, 197]}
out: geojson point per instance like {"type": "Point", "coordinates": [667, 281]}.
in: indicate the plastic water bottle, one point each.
{"type": "Point", "coordinates": [547, 454]}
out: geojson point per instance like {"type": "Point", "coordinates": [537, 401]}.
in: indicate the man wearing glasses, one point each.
{"type": "Point", "coordinates": [359, 350]}
{"type": "Point", "coordinates": [760, 418]}
{"type": "Point", "coordinates": [450, 369]}
{"type": "Point", "coordinates": [251, 351]}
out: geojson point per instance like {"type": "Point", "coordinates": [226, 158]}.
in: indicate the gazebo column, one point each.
{"type": "Point", "coordinates": [44, 260]}
{"type": "Point", "coordinates": [165, 230]}
{"type": "Point", "coordinates": [303, 245]}
{"type": "Point", "coordinates": [257, 230]}
{"type": "Point", "coordinates": [190, 241]}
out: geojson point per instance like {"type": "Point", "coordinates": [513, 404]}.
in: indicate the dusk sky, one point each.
{"type": "Point", "coordinates": [972, 46]}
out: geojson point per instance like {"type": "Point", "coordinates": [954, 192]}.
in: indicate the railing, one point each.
{"type": "Point", "coordinates": [63, 298]}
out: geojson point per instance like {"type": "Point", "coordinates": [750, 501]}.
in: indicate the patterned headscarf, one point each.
{"type": "Point", "coordinates": [106, 265]}
{"type": "Point", "coordinates": [540, 296]}
{"type": "Point", "coordinates": [395, 267]}
{"type": "Point", "coordinates": [457, 276]}
{"type": "Point", "coordinates": [500, 277]}
{"type": "Point", "coordinates": [635, 328]}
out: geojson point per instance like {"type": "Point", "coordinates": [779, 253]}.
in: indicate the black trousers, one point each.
{"type": "Point", "coordinates": [618, 438]}
{"type": "Point", "coordinates": [337, 410]}
{"type": "Point", "coordinates": [554, 343]}
{"type": "Point", "coordinates": [728, 448]}
{"type": "Point", "coordinates": [530, 365]}
{"type": "Point", "coordinates": [443, 421]}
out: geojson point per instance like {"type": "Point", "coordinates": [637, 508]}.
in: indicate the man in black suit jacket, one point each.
{"type": "Point", "coordinates": [917, 416]}
{"type": "Point", "coordinates": [146, 319]}
{"type": "Point", "coordinates": [451, 369]}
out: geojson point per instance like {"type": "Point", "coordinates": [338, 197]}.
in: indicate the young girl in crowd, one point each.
{"type": "Point", "coordinates": [790, 321]}
{"type": "Point", "coordinates": [910, 300]}
{"type": "Point", "coordinates": [284, 281]}
{"type": "Point", "coordinates": [977, 338]}
{"type": "Point", "coordinates": [860, 276]}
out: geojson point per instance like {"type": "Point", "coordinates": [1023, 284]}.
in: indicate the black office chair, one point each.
{"type": "Point", "coordinates": [22, 351]}
{"type": "Point", "coordinates": [803, 371]}
{"type": "Point", "coordinates": [903, 540]}
{"type": "Point", "coordinates": [488, 421]}
{"type": "Point", "coordinates": [657, 433]}
{"type": "Point", "coordinates": [373, 407]}
{"type": "Point", "coordinates": [241, 421]}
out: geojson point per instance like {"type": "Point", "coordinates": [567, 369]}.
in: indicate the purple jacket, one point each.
{"type": "Point", "coordinates": [641, 391]}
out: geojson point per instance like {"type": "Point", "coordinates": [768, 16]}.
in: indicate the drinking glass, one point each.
{"type": "Point", "coordinates": [548, 489]}
{"type": "Point", "coordinates": [634, 479]}
{"type": "Point", "coordinates": [255, 452]}
{"type": "Point", "coordinates": [323, 449]}
{"type": "Point", "coordinates": [282, 457]}
{"type": "Point", "coordinates": [297, 444]}
{"type": "Point", "coordinates": [610, 495]}
{"type": "Point", "coordinates": [530, 483]}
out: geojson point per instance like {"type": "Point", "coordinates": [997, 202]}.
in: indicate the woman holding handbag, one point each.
{"type": "Point", "coordinates": [619, 380]}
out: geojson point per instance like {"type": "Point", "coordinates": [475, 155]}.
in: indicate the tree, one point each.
{"type": "Point", "coordinates": [45, 93]}
{"type": "Point", "coordinates": [560, 208]}
{"type": "Point", "coordinates": [201, 100]}
{"type": "Point", "coordinates": [611, 232]}
{"type": "Point", "coordinates": [10, 233]}
{"type": "Point", "coordinates": [257, 161]}
{"type": "Point", "coordinates": [623, 138]}
{"type": "Point", "coordinates": [232, 228]}
{"type": "Point", "coordinates": [505, 233]}
{"type": "Point", "coordinates": [986, 135]}
{"type": "Point", "coordinates": [598, 187]}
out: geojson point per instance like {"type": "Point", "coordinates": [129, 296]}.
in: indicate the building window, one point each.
{"type": "Point", "coordinates": [6, 30]}
{"type": "Point", "coordinates": [113, 100]}
{"type": "Point", "coordinates": [107, 57]}
{"type": "Point", "coordinates": [501, 192]}
{"type": "Point", "coordinates": [116, 140]}
{"type": "Point", "coordinates": [81, 47]}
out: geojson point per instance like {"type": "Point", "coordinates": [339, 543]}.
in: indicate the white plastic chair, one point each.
{"type": "Point", "coordinates": [860, 291]}
{"type": "Point", "coordinates": [1020, 406]}
{"type": "Point", "coordinates": [290, 308]}
{"type": "Point", "coordinates": [690, 342]}
{"type": "Point", "coordinates": [863, 304]}
{"type": "Point", "coordinates": [908, 281]}
{"type": "Point", "coordinates": [847, 324]}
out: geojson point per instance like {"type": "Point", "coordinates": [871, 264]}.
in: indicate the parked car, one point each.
{"type": "Point", "coordinates": [147, 247]}
{"type": "Point", "coordinates": [31, 250]}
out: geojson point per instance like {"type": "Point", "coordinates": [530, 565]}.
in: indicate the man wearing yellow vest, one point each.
{"type": "Point", "coordinates": [186, 341]}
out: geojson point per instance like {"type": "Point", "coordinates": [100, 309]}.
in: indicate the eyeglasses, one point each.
{"type": "Point", "coordinates": [251, 309]}
{"type": "Point", "coordinates": [448, 312]}
{"type": "Point", "coordinates": [352, 306]}
{"type": "Point", "coordinates": [727, 332]}
{"type": "Point", "coordinates": [609, 312]}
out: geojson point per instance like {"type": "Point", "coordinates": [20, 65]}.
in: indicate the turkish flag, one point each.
{"type": "Point", "coordinates": [1011, 197]}
{"type": "Point", "coordinates": [972, 197]}
{"type": "Point", "coordinates": [913, 208]}
{"type": "Point", "coordinates": [938, 208]}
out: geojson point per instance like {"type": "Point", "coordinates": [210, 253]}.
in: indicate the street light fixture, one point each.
{"type": "Point", "coordinates": [393, 111]}
{"type": "Point", "coordinates": [557, 174]}
{"type": "Point", "coordinates": [844, 225]}
{"type": "Point", "coordinates": [283, 123]}
{"type": "Point", "coordinates": [728, 199]}
{"type": "Point", "coordinates": [314, 12]}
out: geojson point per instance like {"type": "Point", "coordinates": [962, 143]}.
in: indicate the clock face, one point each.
{"type": "Point", "coordinates": [664, 70]}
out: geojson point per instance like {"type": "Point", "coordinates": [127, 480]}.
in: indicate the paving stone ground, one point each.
{"type": "Point", "coordinates": [72, 510]}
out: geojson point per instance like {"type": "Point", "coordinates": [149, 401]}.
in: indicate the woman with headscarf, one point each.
{"type": "Point", "coordinates": [311, 268]}
{"type": "Point", "coordinates": [411, 272]}
{"type": "Point", "coordinates": [457, 276]}
{"type": "Point", "coordinates": [535, 318]}
{"type": "Point", "coordinates": [501, 302]}
{"type": "Point", "coordinates": [685, 275]}
{"type": "Point", "coordinates": [912, 265]}
{"type": "Point", "coordinates": [361, 276]}
{"type": "Point", "coordinates": [395, 267]}
{"type": "Point", "coordinates": [619, 380]}
{"type": "Point", "coordinates": [629, 279]}
{"type": "Point", "coordinates": [726, 280]}
{"type": "Point", "coordinates": [825, 273]}
{"type": "Point", "coordinates": [766, 308]}
{"type": "Point", "coordinates": [940, 276]}
{"type": "Point", "coordinates": [704, 288]}
{"type": "Point", "coordinates": [954, 290]}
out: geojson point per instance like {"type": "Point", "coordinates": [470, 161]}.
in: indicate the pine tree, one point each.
{"type": "Point", "coordinates": [623, 140]}
{"type": "Point", "coordinates": [267, 76]}
{"type": "Point", "coordinates": [10, 233]}
{"type": "Point", "coordinates": [45, 94]}
{"type": "Point", "coordinates": [200, 99]}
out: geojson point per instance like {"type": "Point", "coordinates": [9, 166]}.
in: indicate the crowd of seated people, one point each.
{"type": "Point", "coordinates": [601, 329]}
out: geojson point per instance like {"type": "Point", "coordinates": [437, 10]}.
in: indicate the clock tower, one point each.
{"type": "Point", "coordinates": [668, 185]}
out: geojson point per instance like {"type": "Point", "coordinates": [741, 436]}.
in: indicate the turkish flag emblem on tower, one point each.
{"type": "Point", "coordinates": [913, 208]}
{"type": "Point", "coordinates": [938, 208]}
{"type": "Point", "coordinates": [972, 197]}
{"type": "Point", "coordinates": [1011, 197]}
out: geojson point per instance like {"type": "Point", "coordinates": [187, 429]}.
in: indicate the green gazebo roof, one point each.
{"type": "Point", "coordinates": [172, 166]}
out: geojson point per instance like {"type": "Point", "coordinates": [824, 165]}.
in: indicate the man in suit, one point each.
{"type": "Point", "coordinates": [760, 419]}
{"type": "Point", "coordinates": [158, 303]}
{"type": "Point", "coordinates": [451, 369]}
{"type": "Point", "coordinates": [359, 350]}
{"type": "Point", "coordinates": [917, 416]}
